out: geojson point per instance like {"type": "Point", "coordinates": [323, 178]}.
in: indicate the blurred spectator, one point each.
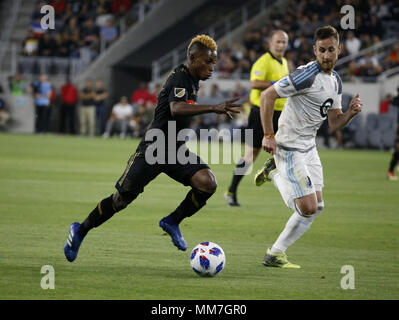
{"type": "Point", "coordinates": [384, 105]}
{"type": "Point", "coordinates": [18, 85]}
{"type": "Point", "coordinates": [109, 33]}
{"type": "Point", "coordinates": [87, 110]}
{"type": "Point", "coordinates": [90, 32]}
{"type": "Point", "coordinates": [75, 44]}
{"type": "Point", "coordinates": [120, 118]}
{"type": "Point", "coordinates": [58, 5]}
{"type": "Point", "coordinates": [73, 26]}
{"type": "Point", "coordinates": [120, 7]}
{"type": "Point", "coordinates": [141, 95]}
{"type": "Point", "coordinates": [210, 120]}
{"type": "Point", "coordinates": [47, 46]}
{"type": "Point", "coordinates": [239, 92]}
{"type": "Point", "coordinates": [379, 9]}
{"type": "Point", "coordinates": [392, 59]}
{"type": "Point", "coordinates": [103, 12]}
{"type": "Point", "coordinates": [4, 115]}
{"type": "Point", "coordinates": [369, 65]}
{"type": "Point", "coordinates": [353, 70]}
{"type": "Point", "coordinates": [143, 118]}
{"type": "Point", "coordinates": [69, 98]}
{"type": "Point", "coordinates": [43, 94]}
{"type": "Point", "coordinates": [375, 26]}
{"type": "Point", "coordinates": [366, 41]}
{"type": "Point", "coordinates": [154, 95]}
{"type": "Point", "coordinates": [61, 45]}
{"type": "Point", "coordinates": [352, 44]}
{"type": "Point", "coordinates": [100, 96]}
{"type": "Point", "coordinates": [30, 44]}
{"type": "Point", "coordinates": [37, 29]}
{"type": "Point", "coordinates": [225, 65]}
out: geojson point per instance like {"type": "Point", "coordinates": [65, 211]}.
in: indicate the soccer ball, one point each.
{"type": "Point", "coordinates": [207, 259]}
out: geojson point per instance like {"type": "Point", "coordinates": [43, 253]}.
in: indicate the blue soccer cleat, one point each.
{"type": "Point", "coordinates": [73, 242]}
{"type": "Point", "coordinates": [174, 231]}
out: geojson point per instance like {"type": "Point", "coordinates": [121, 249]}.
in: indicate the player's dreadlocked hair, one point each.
{"type": "Point", "coordinates": [202, 41]}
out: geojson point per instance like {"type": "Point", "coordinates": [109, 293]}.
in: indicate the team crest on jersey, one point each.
{"type": "Point", "coordinates": [180, 92]}
{"type": "Point", "coordinates": [308, 182]}
{"type": "Point", "coordinates": [325, 106]}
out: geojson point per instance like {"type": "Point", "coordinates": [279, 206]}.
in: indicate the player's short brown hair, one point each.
{"type": "Point", "coordinates": [325, 33]}
{"type": "Point", "coordinates": [203, 41]}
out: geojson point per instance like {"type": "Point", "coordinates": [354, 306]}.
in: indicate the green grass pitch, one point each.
{"type": "Point", "coordinates": [48, 182]}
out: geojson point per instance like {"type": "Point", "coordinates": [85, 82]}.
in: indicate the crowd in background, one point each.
{"type": "Point", "coordinates": [82, 27]}
{"type": "Point", "coordinates": [85, 111]}
{"type": "Point", "coordinates": [88, 111]}
{"type": "Point", "coordinates": [300, 19]}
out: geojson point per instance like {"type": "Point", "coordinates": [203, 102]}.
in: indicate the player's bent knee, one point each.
{"type": "Point", "coordinates": [306, 209]}
{"type": "Point", "coordinates": [205, 181]}
{"type": "Point", "coordinates": [209, 187]}
{"type": "Point", "coordinates": [309, 212]}
{"type": "Point", "coordinates": [121, 202]}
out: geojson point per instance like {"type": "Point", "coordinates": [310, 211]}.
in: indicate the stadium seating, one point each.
{"type": "Point", "coordinates": [387, 126]}
{"type": "Point", "coordinates": [380, 131]}
{"type": "Point", "coordinates": [84, 29]}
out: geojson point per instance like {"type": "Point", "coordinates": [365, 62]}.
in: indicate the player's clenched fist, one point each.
{"type": "Point", "coordinates": [355, 105]}
{"type": "Point", "coordinates": [269, 144]}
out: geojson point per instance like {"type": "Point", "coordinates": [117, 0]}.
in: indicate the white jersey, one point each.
{"type": "Point", "coordinates": [311, 93]}
{"type": "Point", "coordinates": [122, 112]}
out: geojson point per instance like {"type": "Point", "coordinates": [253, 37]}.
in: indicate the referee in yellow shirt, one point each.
{"type": "Point", "coordinates": [268, 69]}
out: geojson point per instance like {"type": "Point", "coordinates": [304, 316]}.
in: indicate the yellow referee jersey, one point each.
{"type": "Point", "coordinates": [268, 68]}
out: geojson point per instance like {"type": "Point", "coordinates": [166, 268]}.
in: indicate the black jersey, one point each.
{"type": "Point", "coordinates": [179, 86]}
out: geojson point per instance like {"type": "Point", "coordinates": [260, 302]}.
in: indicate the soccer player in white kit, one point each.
{"type": "Point", "coordinates": [314, 93]}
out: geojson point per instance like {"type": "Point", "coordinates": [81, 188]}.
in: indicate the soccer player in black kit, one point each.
{"type": "Point", "coordinates": [175, 106]}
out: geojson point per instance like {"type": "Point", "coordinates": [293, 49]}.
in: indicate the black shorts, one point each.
{"type": "Point", "coordinates": [255, 124]}
{"type": "Point", "coordinates": [139, 172]}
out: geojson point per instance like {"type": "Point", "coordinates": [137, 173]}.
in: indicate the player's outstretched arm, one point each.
{"type": "Point", "coordinates": [181, 108]}
{"type": "Point", "coordinates": [267, 99]}
{"type": "Point", "coordinates": [338, 120]}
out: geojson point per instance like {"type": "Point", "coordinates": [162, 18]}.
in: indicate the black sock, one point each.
{"type": "Point", "coordinates": [104, 210]}
{"type": "Point", "coordinates": [194, 201]}
{"type": "Point", "coordinates": [239, 172]}
{"type": "Point", "coordinates": [394, 161]}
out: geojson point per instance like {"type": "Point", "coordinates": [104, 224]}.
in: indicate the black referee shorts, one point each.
{"type": "Point", "coordinates": [255, 124]}
{"type": "Point", "coordinates": [139, 173]}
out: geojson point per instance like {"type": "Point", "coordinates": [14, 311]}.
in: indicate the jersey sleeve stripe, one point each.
{"type": "Point", "coordinates": [303, 74]}
{"type": "Point", "coordinates": [339, 81]}
{"type": "Point", "coordinates": [307, 77]}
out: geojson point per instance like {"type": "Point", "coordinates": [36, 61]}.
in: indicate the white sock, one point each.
{"type": "Point", "coordinates": [294, 229]}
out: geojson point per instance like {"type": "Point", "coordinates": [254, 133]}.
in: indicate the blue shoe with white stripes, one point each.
{"type": "Point", "coordinates": [173, 230]}
{"type": "Point", "coordinates": [73, 242]}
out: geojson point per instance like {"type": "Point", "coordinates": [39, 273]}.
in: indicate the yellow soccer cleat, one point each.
{"type": "Point", "coordinates": [278, 260]}
{"type": "Point", "coordinates": [263, 174]}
